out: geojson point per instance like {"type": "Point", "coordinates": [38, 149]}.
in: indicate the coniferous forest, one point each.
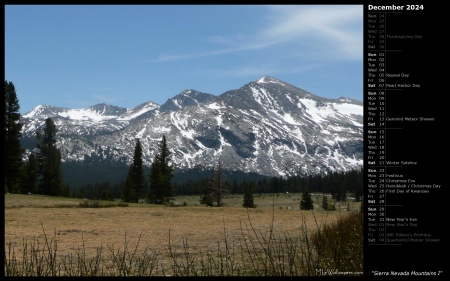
{"type": "Point", "coordinates": [339, 185]}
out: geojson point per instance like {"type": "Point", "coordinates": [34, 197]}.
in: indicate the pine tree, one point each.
{"type": "Point", "coordinates": [128, 189]}
{"type": "Point", "coordinates": [248, 196]}
{"type": "Point", "coordinates": [161, 173]}
{"type": "Point", "coordinates": [306, 202]}
{"type": "Point", "coordinates": [138, 169]}
{"type": "Point", "coordinates": [49, 159]}
{"type": "Point", "coordinates": [325, 203]}
{"type": "Point", "coordinates": [30, 175]}
{"type": "Point", "coordinates": [207, 197]}
{"type": "Point", "coordinates": [218, 184]}
{"type": "Point", "coordinates": [134, 184]}
{"type": "Point", "coordinates": [12, 133]}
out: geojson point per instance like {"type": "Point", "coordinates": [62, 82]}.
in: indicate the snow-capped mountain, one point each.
{"type": "Point", "coordinates": [185, 98]}
{"type": "Point", "coordinates": [269, 127]}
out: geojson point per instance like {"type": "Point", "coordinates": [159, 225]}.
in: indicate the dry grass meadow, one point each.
{"type": "Point", "coordinates": [156, 227]}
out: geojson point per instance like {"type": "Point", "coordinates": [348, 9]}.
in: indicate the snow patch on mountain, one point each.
{"type": "Point", "coordinates": [85, 114]}
{"type": "Point", "coordinates": [138, 110]}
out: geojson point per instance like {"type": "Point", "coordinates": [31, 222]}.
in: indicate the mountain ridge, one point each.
{"type": "Point", "coordinates": [267, 126]}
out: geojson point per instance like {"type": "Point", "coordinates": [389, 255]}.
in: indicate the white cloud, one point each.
{"type": "Point", "coordinates": [339, 26]}
{"type": "Point", "coordinates": [336, 29]}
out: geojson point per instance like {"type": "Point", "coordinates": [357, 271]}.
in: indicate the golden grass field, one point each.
{"type": "Point", "coordinates": [28, 216]}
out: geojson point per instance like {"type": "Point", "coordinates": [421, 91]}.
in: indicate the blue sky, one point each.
{"type": "Point", "coordinates": [76, 56]}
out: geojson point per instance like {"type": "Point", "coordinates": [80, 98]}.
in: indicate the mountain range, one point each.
{"type": "Point", "coordinates": [268, 127]}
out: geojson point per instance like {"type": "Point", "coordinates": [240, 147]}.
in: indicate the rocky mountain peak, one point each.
{"type": "Point", "coordinates": [269, 79]}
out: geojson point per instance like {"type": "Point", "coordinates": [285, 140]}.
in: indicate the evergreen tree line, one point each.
{"type": "Point", "coordinates": [42, 172]}
{"type": "Point", "coordinates": [98, 172]}
{"type": "Point", "coordinates": [160, 177]}
{"type": "Point", "coordinates": [99, 191]}
{"type": "Point", "coordinates": [338, 184]}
